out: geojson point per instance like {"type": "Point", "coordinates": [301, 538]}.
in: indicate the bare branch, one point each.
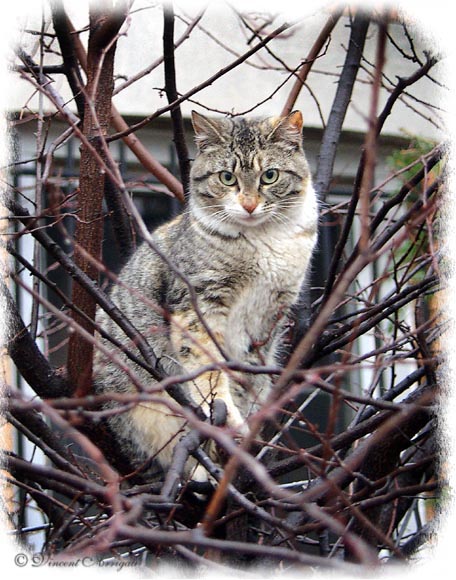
{"type": "Point", "coordinates": [25, 353]}
{"type": "Point", "coordinates": [172, 94]}
{"type": "Point", "coordinates": [339, 456]}
{"type": "Point", "coordinates": [102, 42]}
{"type": "Point", "coordinates": [311, 57]}
{"type": "Point", "coordinates": [203, 85]}
{"type": "Point", "coordinates": [341, 101]}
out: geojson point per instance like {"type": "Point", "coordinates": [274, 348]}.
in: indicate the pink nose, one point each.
{"type": "Point", "coordinates": [249, 204]}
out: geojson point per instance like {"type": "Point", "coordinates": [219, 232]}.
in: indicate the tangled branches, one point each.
{"type": "Point", "coordinates": [347, 470]}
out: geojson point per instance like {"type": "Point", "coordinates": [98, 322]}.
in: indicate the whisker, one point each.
{"type": "Point", "coordinates": [277, 212]}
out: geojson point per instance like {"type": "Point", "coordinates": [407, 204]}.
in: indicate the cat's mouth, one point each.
{"type": "Point", "coordinates": [249, 219]}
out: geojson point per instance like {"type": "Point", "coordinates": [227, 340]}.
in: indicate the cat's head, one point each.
{"type": "Point", "coordinates": [248, 172]}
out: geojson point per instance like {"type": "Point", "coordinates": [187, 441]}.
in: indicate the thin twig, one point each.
{"type": "Point", "coordinates": [201, 86]}
{"type": "Point", "coordinates": [310, 59]}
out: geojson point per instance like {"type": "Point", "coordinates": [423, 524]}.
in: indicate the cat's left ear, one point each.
{"type": "Point", "coordinates": [288, 128]}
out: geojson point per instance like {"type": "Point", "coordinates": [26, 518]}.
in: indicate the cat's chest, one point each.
{"type": "Point", "coordinates": [257, 271]}
{"type": "Point", "coordinates": [277, 259]}
{"type": "Point", "coordinates": [244, 287]}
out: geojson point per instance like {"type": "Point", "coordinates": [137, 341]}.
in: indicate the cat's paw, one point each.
{"type": "Point", "coordinates": [200, 474]}
{"type": "Point", "coordinates": [205, 483]}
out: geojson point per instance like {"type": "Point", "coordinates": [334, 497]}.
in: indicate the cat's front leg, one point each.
{"type": "Point", "coordinates": [215, 385]}
{"type": "Point", "coordinates": [195, 349]}
{"type": "Point", "coordinates": [235, 420]}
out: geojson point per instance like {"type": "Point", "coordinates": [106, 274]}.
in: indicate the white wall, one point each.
{"type": "Point", "coordinates": [238, 91]}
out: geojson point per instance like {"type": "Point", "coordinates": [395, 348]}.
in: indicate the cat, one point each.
{"type": "Point", "coordinates": [245, 244]}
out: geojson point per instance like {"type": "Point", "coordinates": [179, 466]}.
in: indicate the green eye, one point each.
{"type": "Point", "coordinates": [269, 176]}
{"type": "Point", "coordinates": [227, 178]}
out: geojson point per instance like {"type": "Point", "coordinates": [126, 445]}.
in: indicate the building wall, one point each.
{"type": "Point", "coordinates": [221, 39]}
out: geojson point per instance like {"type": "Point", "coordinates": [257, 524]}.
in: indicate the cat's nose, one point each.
{"type": "Point", "coordinates": [249, 203]}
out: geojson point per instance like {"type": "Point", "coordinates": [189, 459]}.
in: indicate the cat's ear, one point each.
{"type": "Point", "coordinates": [287, 128]}
{"type": "Point", "coordinates": [207, 131]}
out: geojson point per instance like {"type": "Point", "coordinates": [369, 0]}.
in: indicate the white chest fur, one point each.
{"type": "Point", "coordinates": [270, 264]}
{"type": "Point", "coordinates": [281, 267]}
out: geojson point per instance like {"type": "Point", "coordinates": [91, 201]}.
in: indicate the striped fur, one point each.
{"type": "Point", "coordinates": [244, 244]}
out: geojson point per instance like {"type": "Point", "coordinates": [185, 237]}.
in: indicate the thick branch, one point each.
{"type": "Point", "coordinates": [120, 220]}
{"type": "Point", "coordinates": [70, 61]}
{"type": "Point", "coordinates": [89, 229]}
{"type": "Point", "coordinates": [30, 423]}
{"type": "Point", "coordinates": [51, 478]}
{"type": "Point", "coordinates": [173, 95]}
{"type": "Point", "coordinates": [380, 462]}
{"type": "Point", "coordinates": [135, 145]}
{"type": "Point", "coordinates": [197, 538]}
{"type": "Point", "coordinates": [368, 424]}
{"type": "Point", "coordinates": [91, 288]}
{"type": "Point", "coordinates": [32, 364]}
{"type": "Point", "coordinates": [370, 144]}
{"type": "Point", "coordinates": [340, 104]}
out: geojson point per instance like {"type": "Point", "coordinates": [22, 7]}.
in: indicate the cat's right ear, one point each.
{"type": "Point", "coordinates": [207, 131]}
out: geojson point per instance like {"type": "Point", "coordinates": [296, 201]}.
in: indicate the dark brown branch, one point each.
{"type": "Point", "coordinates": [395, 391]}
{"type": "Point", "coordinates": [120, 220]}
{"type": "Point", "coordinates": [70, 61]}
{"type": "Point", "coordinates": [145, 158]}
{"type": "Point", "coordinates": [45, 70]}
{"type": "Point", "coordinates": [398, 492]}
{"type": "Point", "coordinates": [380, 216]}
{"type": "Point", "coordinates": [423, 535]}
{"type": "Point", "coordinates": [89, 231]}
{"type": "Point", "coordinates": [361, 325]}
{"type": "Point", "coordinates": [98, 296]}
{"type": "Point", "coordinates": [55, 510]}
{"type": "Point", "coordinates": [135, 145]}
{"type": "Point", "coordinates": [67, 40]}
{"type": "Point", "coordinates": [434, 158]}
{"type": "Point", "coordinates": [45, 85]}
{"type": "Point", "coordinates": [340, 104]}
{"type": "Point", "coordinates": [149, 360]}
{"type": "Point", "coordinates": [173, 95]}
{"type": "Point", "coordinates": [30, 361]}
{"type": "Point", "coordinates": [379, 463]}
{"type": "Point", "coordinates": [370, 145]}
{"type": "Point", "coordinates": [196, 538]}
{"type": "Point", "coordinates": [187, 445]}
{"type": "Point", "coordinates": [30, 423]}
{"type": "Point", "coordinates": [381, 448]}
{"type": "Point", "coordinates": [368, 424]}
{"type": "Point", "coordinates": [106, 18]}
{"type": "Point", "coordinates": [402, 84]}
{"type": "Point", "coordinates": [342, 241]}
{"type": "Point", "coordinates": [71, 485]}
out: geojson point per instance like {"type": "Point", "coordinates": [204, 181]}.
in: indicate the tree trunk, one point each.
{"type": "Point", "coordinates": [104, 25]}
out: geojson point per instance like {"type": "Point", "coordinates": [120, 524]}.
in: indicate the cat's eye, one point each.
{"type": "Point", "coordinates": [269, 177]}
{"type": "Point", "coordinates": [227, 178]}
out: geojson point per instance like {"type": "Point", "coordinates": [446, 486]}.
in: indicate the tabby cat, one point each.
{"type": "Point", "coordinates": [244, 244]}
